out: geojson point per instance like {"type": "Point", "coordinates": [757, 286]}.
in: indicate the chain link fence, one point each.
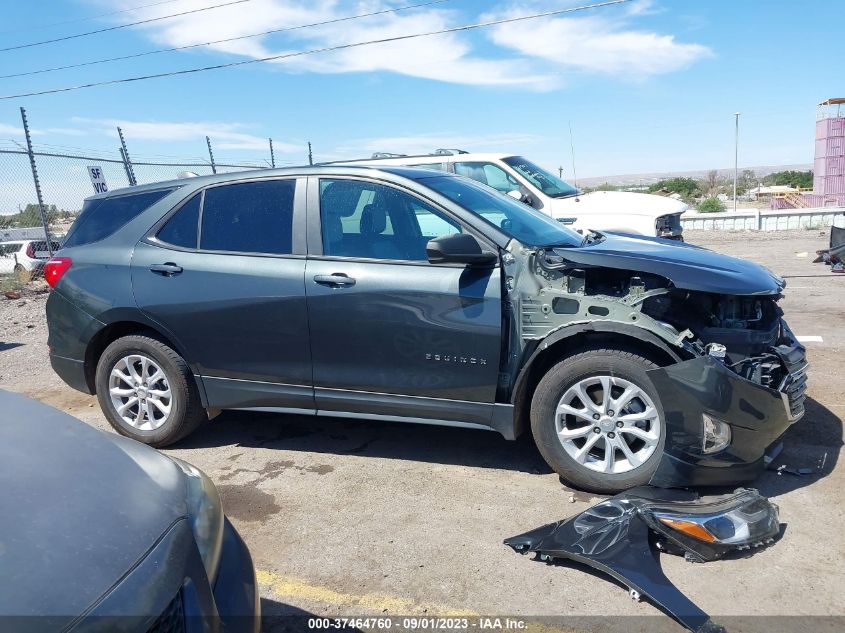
{"type": "Point", "coordinates": [65, 183]}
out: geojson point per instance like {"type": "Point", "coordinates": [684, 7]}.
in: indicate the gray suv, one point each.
{"type": "Point", "coordinates": [410, 295]}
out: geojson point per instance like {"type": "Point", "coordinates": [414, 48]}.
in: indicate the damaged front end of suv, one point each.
{"type": "Point", "coordinates": [729, 376]}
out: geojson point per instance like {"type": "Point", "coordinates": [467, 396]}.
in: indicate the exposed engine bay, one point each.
{"type": "Point", "coordinates": [746, 333]}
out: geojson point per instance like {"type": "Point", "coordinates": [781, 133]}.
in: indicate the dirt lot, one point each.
{"type": "Point", "coordinates": [346, 517]}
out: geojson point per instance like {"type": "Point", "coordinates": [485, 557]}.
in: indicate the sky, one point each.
{"type": "Point", "coordinates": [645, 86]}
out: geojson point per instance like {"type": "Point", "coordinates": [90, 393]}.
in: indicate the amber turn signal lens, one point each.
{"type": "Point", "coordinates": [690, 529]}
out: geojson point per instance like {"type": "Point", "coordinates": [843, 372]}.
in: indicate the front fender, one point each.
{"type": "Point", "coordinates": [633, 332]}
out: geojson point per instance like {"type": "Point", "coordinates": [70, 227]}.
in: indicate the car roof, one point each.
{"type": "Point", "coordinates": [325, 169]}
{"type": "Point", "coordinates": [425, 159]}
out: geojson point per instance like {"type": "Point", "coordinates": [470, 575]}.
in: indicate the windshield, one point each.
{"type": "Point", "coordinates": [546, 182]}
{"type": "Point", "coordinates": [514, 218]}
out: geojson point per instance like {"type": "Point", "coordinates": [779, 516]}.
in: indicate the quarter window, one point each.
{"type": "Point", "coordinates": [369, 220]}
{"type": "Point", "coordinates": [102, 217]}
{"type": "Point", "coordinates": [181, 228]}
{"type": "Point", "coordinates": [249, 217]}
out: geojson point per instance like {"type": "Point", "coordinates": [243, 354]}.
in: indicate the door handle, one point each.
{"type": "Point", "coordinates": [168, 270]}
{"type": "Point", "coordinates": [567, 220]}
{"type": "Point", "coordinates": [335, 280]}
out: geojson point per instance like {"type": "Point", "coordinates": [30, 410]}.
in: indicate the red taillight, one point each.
{"type": "Point", "coordinates": [30, 250]}
{"type": "Point", "coordinates": [55, 268]}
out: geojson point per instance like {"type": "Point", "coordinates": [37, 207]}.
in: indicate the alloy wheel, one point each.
{"type": "Point", "coordinates": [140, 393]}
{"type": "Point", "coordinates": [608, 424]}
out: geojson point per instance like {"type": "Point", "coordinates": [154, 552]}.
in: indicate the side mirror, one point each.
{"type": "Point", "coordinates": [459, 248]}
{"type": "Point", "coordinates": [516, 194]}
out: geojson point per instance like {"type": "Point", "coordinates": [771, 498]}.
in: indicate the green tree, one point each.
{"type": "Point", "coordinates": [790, 178]}
{"type": "Point", "coordinates": [711, 205]}
{"type": "Point", "coordinates": [687, 187]}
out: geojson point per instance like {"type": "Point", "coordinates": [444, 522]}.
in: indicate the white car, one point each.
{"type": "Point", "coordinates": [624, 212]}
{"type": "Point", "coordinates": [24, 258]}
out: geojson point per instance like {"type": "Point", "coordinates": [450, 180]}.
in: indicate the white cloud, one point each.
{"type": "Point", "coordinates": [599, 44]}
{"type": "Point", "coordinates": [223, 135]}
{"type": "Point", "coordinates": [16, 131]}
{"type": "Point", "coordinates": [11, 130]}
{"type": "Point", "coordinates": [447, 57]}
{"type": "Point", "coordinates": [530, 54]}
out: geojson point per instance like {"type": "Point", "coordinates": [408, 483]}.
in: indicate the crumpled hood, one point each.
{"type": "Point", "coordinates": [686, 266]}
{"type": "Point", "coordinates": [79, 508]}
{"type": "Point", "coordinates": [621, 202]}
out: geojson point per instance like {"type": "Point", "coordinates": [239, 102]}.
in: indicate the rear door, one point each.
{"type": "Point", "coordinates": [392, 334]}
{"type": "Point", "coordinates": [224, 276]}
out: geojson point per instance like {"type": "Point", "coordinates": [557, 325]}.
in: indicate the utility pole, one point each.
{"type": "Point", "coordinates": [310, 156]}
{"type": "Point", "coordinates": [560, 172]}
{"type": "Point", "coordinates": [272, 155]}
{"type": "Point", "coordinates": [572, 150]}
{"type": "Point", "coordinates": [736, 156]}
{"type": "Point", "coordinates": [211, 155]}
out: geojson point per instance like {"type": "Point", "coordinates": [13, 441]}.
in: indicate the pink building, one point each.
{"type": "Point", "coordinates": [829, 166]}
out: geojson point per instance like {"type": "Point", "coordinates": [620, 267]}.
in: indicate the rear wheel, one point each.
{"type": "Point", "coordinates": [147, 391]}
{"type": "Point", "coordinates": [598, 422]}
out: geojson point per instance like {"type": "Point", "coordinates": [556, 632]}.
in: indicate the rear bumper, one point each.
{"type": "Point", "coordinates": [757, 415]}
{"type": "Point", "coordinates": [71, 371]}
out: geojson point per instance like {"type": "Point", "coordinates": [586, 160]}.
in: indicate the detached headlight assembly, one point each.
{"type": "Point", "coordinates": [709, 529]}
{"type": "Point", "coordinates": [205, 512]}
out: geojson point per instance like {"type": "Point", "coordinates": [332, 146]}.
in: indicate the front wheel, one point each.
{"type": "Point", "coordinates": [147, 391]}
{"type": "Point", "coordinates": [598, 421]}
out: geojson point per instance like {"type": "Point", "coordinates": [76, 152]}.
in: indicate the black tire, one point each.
{"type": "Point", "coordinates": [550, 390]}
{"type": "Point", "coordinates": [186, 410]}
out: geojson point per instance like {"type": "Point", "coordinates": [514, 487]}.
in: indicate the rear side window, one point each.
{"type": "Point", "coordinates": [249, 217]}
{"type": "Point", "coordinates": [181, 228]}
{"type": "Point", "coordinates": [101, 218]}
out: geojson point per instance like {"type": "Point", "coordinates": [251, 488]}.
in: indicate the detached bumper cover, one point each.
{"type": "Point", "coordinates": [757, 415]}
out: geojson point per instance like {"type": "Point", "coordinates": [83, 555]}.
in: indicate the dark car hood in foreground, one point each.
{"type": "Point", "coordinates": [78, 508]}
{"type": "Point", "coordinates": [686, 266]}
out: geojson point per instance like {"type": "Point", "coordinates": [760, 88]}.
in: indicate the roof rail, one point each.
{"type": "Point", "coordinates": [449, 152]}
{"type": "Point", "coordinates": [387, 155]}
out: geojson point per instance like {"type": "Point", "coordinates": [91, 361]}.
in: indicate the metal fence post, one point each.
{"type": "Point", "coordinates": [127, 162]}
{"type": "Point", "coordinates": [272, 155]}
{"type": "Point", "coordinates": [211, 155]}
{"type": "Point", "coordinates": [125, 165]}
{"type": "Point", "coordinates": [44, 221]}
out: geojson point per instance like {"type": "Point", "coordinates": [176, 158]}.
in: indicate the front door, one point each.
{"type": "Point", "coordinates": [391, 333]}
{"type": "Point", "coordinates": [231, 294]}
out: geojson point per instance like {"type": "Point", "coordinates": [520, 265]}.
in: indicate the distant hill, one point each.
{"type": "Point", "coordinates": [626, 180]}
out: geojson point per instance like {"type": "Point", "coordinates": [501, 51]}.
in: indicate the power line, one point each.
{"type": "Point", "coordinates": [313, 51]}
{"type": "Point", "coordinates": [38, 27]}
{"type": "Point", "coordinates": [228, 39]}
{"type": "Point", "coordinates": [120, 26]}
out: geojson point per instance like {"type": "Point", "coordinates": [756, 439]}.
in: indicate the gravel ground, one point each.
{"type": "Point", "coordinates": [346, 517]}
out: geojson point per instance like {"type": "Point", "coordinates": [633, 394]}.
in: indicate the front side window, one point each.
{"type": "Point", "coordinates": [249, 217]}
{"type": "Point", "coordinates": [102, 217]}
{"type": "Point", "coordinates": [515, 219]}
{"type": "Point", "coordinates": [374, 221]}
{"type": "Point", "coordinates": [545, 181]}
{"type": "Point", "coordinates": [488, 174]}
